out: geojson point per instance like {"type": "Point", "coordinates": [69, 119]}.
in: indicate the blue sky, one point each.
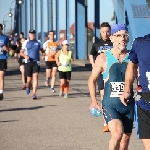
{"type": "Point", "coordinates": [106, 12]}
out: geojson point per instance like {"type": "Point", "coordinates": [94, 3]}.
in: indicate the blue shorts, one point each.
{"type": "Point", "coordinates": [126, 117]}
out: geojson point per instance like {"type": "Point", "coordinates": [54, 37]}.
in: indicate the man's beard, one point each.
{"type": "Point", "coordinates": [122, 47]}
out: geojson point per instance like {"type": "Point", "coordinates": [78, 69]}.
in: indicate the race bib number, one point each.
{"type": "Point", "coordinates": [39, 63]}
{"type": "Point", "coordinates": [117, 89]}
{"type": "Point", "coordinates": [53, 48]}
{"type": "Point", "coordinates": [65, 64]}
{"type": "Point", "coordinates": [148, 79]}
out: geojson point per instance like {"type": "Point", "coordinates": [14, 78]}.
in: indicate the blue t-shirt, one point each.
{"type": "Point", "coordinates": [3, 42]}
{"type": "Point", "coordinates": [140, 54]}
{"type": "Point", "coordinates": [32, 49]}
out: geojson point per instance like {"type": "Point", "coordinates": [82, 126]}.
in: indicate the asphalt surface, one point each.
{"type": "Point", "coordinates": [50, 122]}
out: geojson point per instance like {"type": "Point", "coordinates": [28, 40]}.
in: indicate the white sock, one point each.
{"type": "Point", "coordinates": [105, 124]}
{"type": "Point", "coordinates": [1, 91]}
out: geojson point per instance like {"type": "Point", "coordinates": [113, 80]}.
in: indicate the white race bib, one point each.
{"type": "Point", "coordinates": [117, 89]}
{"type": "Point", "coordinates": [65, 64]}
{"type": "Point", "coordinates": [1, 50]}
{"type": "Point", "coordinates": [39, 63]}
{"type": "Point", "coordinates": [53, 48]}
{"type": "Point", "coordinates": [148, 79]}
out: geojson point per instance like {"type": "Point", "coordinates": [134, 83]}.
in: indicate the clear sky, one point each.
{"type": "Point", "coordinates": [106, 12]}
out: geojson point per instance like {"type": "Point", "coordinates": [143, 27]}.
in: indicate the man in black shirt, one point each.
{"type": "Point", "coordinates": [98, 47]}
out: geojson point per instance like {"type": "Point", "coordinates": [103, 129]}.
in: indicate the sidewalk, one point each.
{"type": "Point", "coordinates": [51, 123]}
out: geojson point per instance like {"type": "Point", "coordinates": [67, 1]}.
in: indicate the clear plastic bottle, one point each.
{"type": "Point", "coordinates": [95, 112]}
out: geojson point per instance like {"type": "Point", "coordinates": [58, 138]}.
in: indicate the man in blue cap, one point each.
{"type": "Point", "coordinates": [112, 64]}
{"type": "Point", "coordinates": [139, 57]}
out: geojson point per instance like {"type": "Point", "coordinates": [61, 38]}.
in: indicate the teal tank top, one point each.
{"type": "Point", "coordinates": [114, 77]}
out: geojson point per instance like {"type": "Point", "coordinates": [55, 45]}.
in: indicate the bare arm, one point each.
{"type": "Point", "coordinates": [97, 69]}
{"type": "Point", "coordinates": [130, 76]}
{"type": "Point", "coordinates": [91, 58]}
{"type": "Point", "coordinates": [57, 58]}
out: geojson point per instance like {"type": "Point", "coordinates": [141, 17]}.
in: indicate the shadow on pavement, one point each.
{"type": "Point", "coordinates": [8, 121]}
{"type": "Point", "coordinates": [20, 109]}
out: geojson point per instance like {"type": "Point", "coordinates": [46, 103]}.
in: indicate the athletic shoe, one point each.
{"type": "Point", "coordinates": [1, 96]}
{"type": "Point", "coordinates": [27, 90]}
{"type": "Point", "coordinates": [23, 87]}
{"type": "Point", "coordinates": [106, 129]}
{"type": "Point", "coordinates": [60, 93]}
{"type": "Point", "coordinates": [47, 83]}
{"type": "Point", "coordinates": [52, 90]}
{"type": "Point", "coordinates": [65, 95]}
{"type": "Point", "coordinates": [34, 97]}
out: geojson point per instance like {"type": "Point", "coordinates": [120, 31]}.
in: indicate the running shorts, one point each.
{"type": "Point", "coordinates": [50, 64]}
{"type": "Point", "coordinates": [65, 75]}
{"type": "Point", "coordinates": [127, 117]}
{"type": "Point", "coordinates": [3, 64]}
{"type": "Point", "coordinates": [142, 122]}
{"type": "Point", "coordinates": [31, 67]}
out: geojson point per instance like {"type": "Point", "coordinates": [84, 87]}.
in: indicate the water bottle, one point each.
{"type": "Point", "coordinates": [95, 112]}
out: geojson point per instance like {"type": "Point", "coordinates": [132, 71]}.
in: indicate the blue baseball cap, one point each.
{"type": "Point", "coordinates": [117, 27]}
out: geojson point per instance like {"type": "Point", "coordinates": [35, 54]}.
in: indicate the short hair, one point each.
{"type": "Point", "coordinates": [105, 24]}
{"type": "Point", "coordinates": [1, 26]}
{"type": "Point", "coordinates": [51, 31]}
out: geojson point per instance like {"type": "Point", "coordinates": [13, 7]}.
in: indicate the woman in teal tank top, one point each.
{"type": "Point", "coordinates": [63, 59]}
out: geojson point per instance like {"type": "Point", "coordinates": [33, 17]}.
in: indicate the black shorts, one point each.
{"type": "Point", "coordinates": [50, 64]}
{"type": "Point", "coordinates": [100, 82]}
{"type": "Point", "coordinates": [21, 61]}
{"type": "Point", "coordinates": [142, 123]}
{"type": "Point", "coordinates": [31, 67]}
{"type": "Point", "coordinates": [65, 75]}
{"type": "Point", "coordinates": [14, 47]}
{"type": "Point", "coordinates": [3, 64]}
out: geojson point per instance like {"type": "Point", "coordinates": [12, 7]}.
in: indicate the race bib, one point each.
{"type": "Point", "coordinates": [23, 60]}
{"type": "Point", "coordinates": [148, 79]}
{"type": "Point", "coordinates": [1, 50]}
{"type": "Point", "coordinates": [65, 64]}
{"type": "Point", "coordinates": [117, 89]}
{"type": "Point", "coordinates": [53, 48]}
{"type": "Point", "coordinates": [39, 63]}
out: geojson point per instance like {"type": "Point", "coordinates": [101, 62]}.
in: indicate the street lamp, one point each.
{"type": "Point", "coordinates": [10, 13]}
{"type": "Point", "coordinates": [4, 23]}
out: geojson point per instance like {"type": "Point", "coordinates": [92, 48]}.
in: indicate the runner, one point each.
{"type": "Point", "coordinates": [103, 44]}
{"type": "Point", "coordinates": [63, 59]}
{"type": "Point", "coordinates": [112, 64]}
{"type": "Point", "coordinates": [21, 62]}
{"type": "Point", "coordinates": [31, 52]}
{"type": "Point", "coordinates": [3, 59]}
{"type": "Point", "coordinates": [51, 48]}
{"type": "Point", "coordinates": [139, 56]}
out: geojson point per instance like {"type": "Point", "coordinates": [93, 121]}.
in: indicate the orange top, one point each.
{"type": "Point", "coordinates": [52, 48]}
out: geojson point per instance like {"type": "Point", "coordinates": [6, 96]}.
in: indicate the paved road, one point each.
{"type": "Point", "coordinates": [51, 123]}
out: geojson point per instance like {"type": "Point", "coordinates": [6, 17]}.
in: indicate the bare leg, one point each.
{"type": "Point", "coordinates": [35, 82]}
{"type": "Point", "coordinates": [54, 71]}
{"type": "Point", "coordinates": [22, 69]}
{"type": "Point", "coordinates": [116, 129]}
{"type": "Point", "coordinates": [146, 143]}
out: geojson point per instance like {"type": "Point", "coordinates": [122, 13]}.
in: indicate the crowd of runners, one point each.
{"type": "Point", "coordinates": [114, 68]}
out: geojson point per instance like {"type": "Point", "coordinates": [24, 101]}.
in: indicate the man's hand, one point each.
{"type": "Point", "coordinates": [26, 57]}
{"type": "Point", "coordinates": [125, 98]}
{"type": "Point", "coordinates": [95, 105]}
{"type": "Point", "coordinates": [5, 48]}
